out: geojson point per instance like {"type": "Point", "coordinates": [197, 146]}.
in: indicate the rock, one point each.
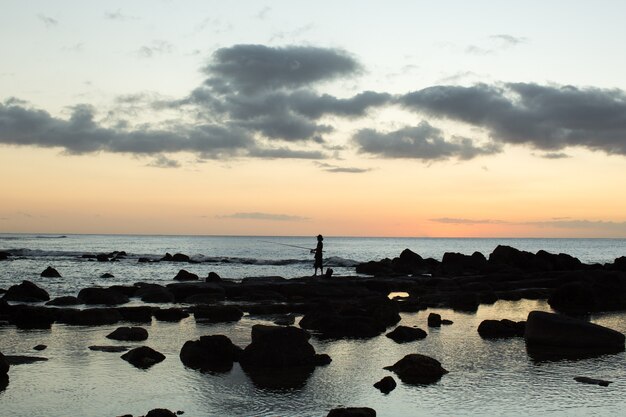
{"type": "Point", "coordinates": [202, 299]}
{"type": "Point", "coordinates": [329, 273]}
{"type": "Point", "coordinates": [26, 292]}
{"type": "Point", "coordinates": [434, 320]}
{"type": "Point", "coordinates": [211, 353]}
{"type": "Point", "coordinates": [386, 385]}
{"type": "Point", "coordinates": [490, 329]}
{"type": "Point", "coordinates": [560, 262]}
{"type": "Point", "coordinates": [619, 264]}
{"type": "Point", "coordinates": [67, 300]}
{"type": "Point", "coordinates": [177, 257]}
{"type": "Point", "coordinates": [129, 334]}
{"type": "Point", "coordinates": [137, 314]}
{"type": "Point", "coordinates": [183, 290]}
{"type": "Point", "coordinates": [105, 296]}
{"type": "Point", "coordinates": [218, 313]}
{"type": "Point", "coordinates": [403, 334]}
{"type": "Point", "coordinates": [143, 357]}
{"type": "Point", "coordinates": [508, 256]}
{"type": "Point", "coordinates": [155, 293]}
{"type": "Point", "coordinates": [352, 412]}
{"type": "Point", "coordinates": [586, 380]}
{"type": "Point", "coordinates": [50, 272]}
{"type": "Point", "coordinates": [4, 365]}
{"type": "Point", "coordinates": [170, 314]}
{"type": "Point", "coordinates": [286, 320]}
{"type": "Point", "coordinates": [107, 275]}
{"type": "Point", "coordinates": [4, 255]}
{"type": "Point", "coordinates": [40, 347]}
{"type": "Point", "coordinates": [112, 349]}
{"type": "Point", "coordinates": [464, 301]}
{"type": "Point", "coordinates": [458, 263]}
{"type": "Point", "coordinates": [418, 369]}
{"type": "Point", "coordinates": [160, 412]}
{"type": "Point", "coordinates": [554, 335]}
{"type": "Point", "coordinates": [213, 277]}
{"type": "Point", "coordinates": [364, 319]}
{"type": "Point", "coordinates": [103, 257]}
{"type": "Point", "coordinates": [184, 275]}
{"type": "Point", "coordinates": [23, 360]}
{"type": "Point", "coordinates": [30, 317]}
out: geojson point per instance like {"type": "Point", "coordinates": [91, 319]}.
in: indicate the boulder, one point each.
{"type": "Point", "coordinates": [102, 257]}
{"type": "Point", "coordinates": [434, 320]}
{"type": "Point", "coordinates": [593, 381]}
{"type": "Point", "coordinates": [31, 317]}
{"type": "Point", "coordinates": [352, 412]}
{"type": "Point", "coordinates": [26, 292]}
{"type": "Point", "coordinates": [105, 296]}
{"type": "Point", "coordinates": [403, 334]}
{"type": "Point", "coordinates": [574, 297]}
{"type": "Point", "coordinates": [619, 264]}
{"type": "Point", "coordinates": [143, 357]}
{"type": "Point", "coordinates": [183, 290]}
{"type": "Point", "coordinates": [170, 314]}
{"type": "Point", "coordinates": [184, 275]}
{"type": "Point", "coordinates": [386, 385]}
{"type": "Point", "coordinates": [68, 300]}
{"type": "Point", "coordinates": [211, 353]}
{"type": "Point", "coordinates": [107, 275]}
{"type": "Point", "coordinates": [491, 329]}
{"type": "Point", "coordinates": [177, 257]}
{"type": "Point", "coordinates": [464, 301]}
{"type": "Point", "coordinates": [418, 369]}
{"type": "Point", "coordinates": [155, 293]}
{"type": "Point", "coordinates": [40, 347]}
{"type": "Point", "coordinates": [4, 255]}
{"type": "Point", "coordinates": [136, 314]}
{"type": "Point", "coordinates": [50, 272]}
{"type": "Point", "coordinates": [554, 335]}
{"type": "Point", "coordinates": [454, 263]}
{"type": "Point", "coordinates": [161, 412]}
{"type": "Point", "coordinates": [213, 277]}
{"type": "Point", "coordinates": [129, 334]}
{"type": "Point", "coordinates": [560, 262]}
{"type": "Point", "coordinates": [217, 313]}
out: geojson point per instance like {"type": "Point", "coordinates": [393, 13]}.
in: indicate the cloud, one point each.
{"type": "Point", "coordinates": [549, 118]}
{"type": "Point", "coordinates": [284, 153]}
{"type": "Point", "coordinates": [555, 155]}
{"type": "Point", "coordinates": [157, 47]}
{"type": "Point", "coordinates": [48, 21]}
{"type": "Point", "coordinates": [471, 222]}
{"type": "Point", "coordinates": [252, 68]}
{"type": "Point", "coordinates": [265, 216]}
{"type": "Point", "coordinates": [508, 40]}
{"type": "Point", "coordinates": [423, 142]}
{"type": "Point", "coordinates": [118, 15]}
{"type": "Point", "coordinates": [338, 169]}
{"type": "Point", "coordinates": [161, 161]}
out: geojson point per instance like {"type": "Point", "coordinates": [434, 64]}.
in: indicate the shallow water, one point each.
{"type": "Point", "coordinates": [486, 377]}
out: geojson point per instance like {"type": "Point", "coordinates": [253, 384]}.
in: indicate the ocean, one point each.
{"type": "Point", "coordinates": [487, 377]}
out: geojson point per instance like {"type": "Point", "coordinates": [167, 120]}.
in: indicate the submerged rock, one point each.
{"type": "Point", "coordinates": [218, 313]}
{"type": "Point", "coordinates": [161, 412]}
{"type": "Point", "coordinates": [23, 360]}
{"type": "Point", "coordinates": [129, 334]}
{"type": "Point", "coordinates": [554, 335]}
{"type": "Point", "coordinates": [143, 357]}
{"type": "Point", "coordinates": [105, 296]}
{"type": "Point", "coordinates": [31, 317]}
{"type": "Point", "coordinates": [352, 412]}
{"type": "Point", "coordinates": [418, 369]}
{"type": "Point", "coordinates": [40, 347]}
{"type": "Point", "coordinates": [68, 300]}
{"type": "Point", "coordinates": [112, 349]}
{"type": "Point", "coordinates": [586, 380]}
{"type": "Point", "coordinates": [50, 272]}
{"type": "Point", "coordinates": [211, 353]}
{"type": "Point", "coordinates": [89, 316]}
{"type": "Point", "coordinates": [386, 385]}
{"type": "Point", "coordinates": [107, 275]}
{"type": "Point", "coordinates": [403, 334]}
{"type": "Point", "coordinates": [490, 329]}
{"type": "Point", "coordinates": [170, 314]}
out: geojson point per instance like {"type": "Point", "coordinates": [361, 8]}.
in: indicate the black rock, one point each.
{"type": "Point", "coordinates": [143, 357]}
{"type": "Point", "coordinates": [67, 300]}
{"type": "Point", "coordinates": [89, 316]}
{"type": "Point", "coordinates": [586, 380]}
{"type": "Point", "coordinates": [4, 255]}
{"type": "Point", "coordinates": [4, 365]}
{"type": "Point", "coordinates": [184, 275]}
{"type": "Point", "coordinates": [154, 293]}
{"type": "Point", "coordinates": [403, 334]}
{"type": "Point", "coordinates": [213, 277]}
{"type": "Point", "coordinates": [352, 412]}
{"type": "Point", "coordinates": [386, 385]}
{"type": "Point", "coordinates": [105, 296]}
{"type": "Point", "coordinates": [550, 335]}
{"type": "Point", "coordinates": [434, 320]}
{"type": "Point", "coordinates": [160, 412]}
{"type": "Point", "coordinates": [26, 292]}
{"type": "Point", "coordinates": [218, 313]}
{"type": "Point", "coordinates": [112, 349]}
{"type": "Point", "coordinates": [30, 317]}
{"type": "Point", "coordinates": [23, 360]}
{"type": "Point", "coordinates": [211, 353]}
{"type": "Point", "coordinates": [129, 334]}
{"type": "Point", "coordinates": [50, 272]}
{"type": "Point", "coordinates": [490, 329]}
{"type": "Point", "coordinates": [136, 314]}
{"type": "Point", "coordinates": [40, 347]}
{"type": "Point", "coordinates": [107, 275]}
{"type": "Point", "coordinates": [418, 369]}
{"type": "Point", "coordinates": [170, 314]}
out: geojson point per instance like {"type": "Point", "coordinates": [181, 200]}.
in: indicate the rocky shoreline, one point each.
{"type": "Point", "coordinates": [342, 307]}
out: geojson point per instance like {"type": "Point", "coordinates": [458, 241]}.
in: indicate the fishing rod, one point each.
{"type": "Point", "coordinates": [285, 244]}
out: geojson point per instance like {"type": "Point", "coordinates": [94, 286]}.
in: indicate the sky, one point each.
{"type": "Point", "coordinates": [351, 118]}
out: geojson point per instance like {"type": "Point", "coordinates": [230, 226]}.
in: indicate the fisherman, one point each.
{"type": "Point", "coordinates": [318, 255]}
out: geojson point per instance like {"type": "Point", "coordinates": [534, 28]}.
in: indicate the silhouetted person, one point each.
{"type": "Point", "coordinates": [318, 255]}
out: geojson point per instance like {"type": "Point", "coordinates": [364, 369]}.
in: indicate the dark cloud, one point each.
{"type": "Point", "coordinates": [423, 142]}
{"type": "Point", "coordinates": [284, 153]}
{"type": "Point", "coordinates": [555, 155]}
{"type": "Point", "coordinates": [251, 68]}
{"type": "Point", "coordinates": [264, 216]}
{"type": "Point", "coordinates": [47, 20]}
{"type": "Point", "coordinates": [549, 118]}
{"type": "Point", "coordinates": [161, 161]}
{"type": "Point", "coordinates": [338, 169]}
